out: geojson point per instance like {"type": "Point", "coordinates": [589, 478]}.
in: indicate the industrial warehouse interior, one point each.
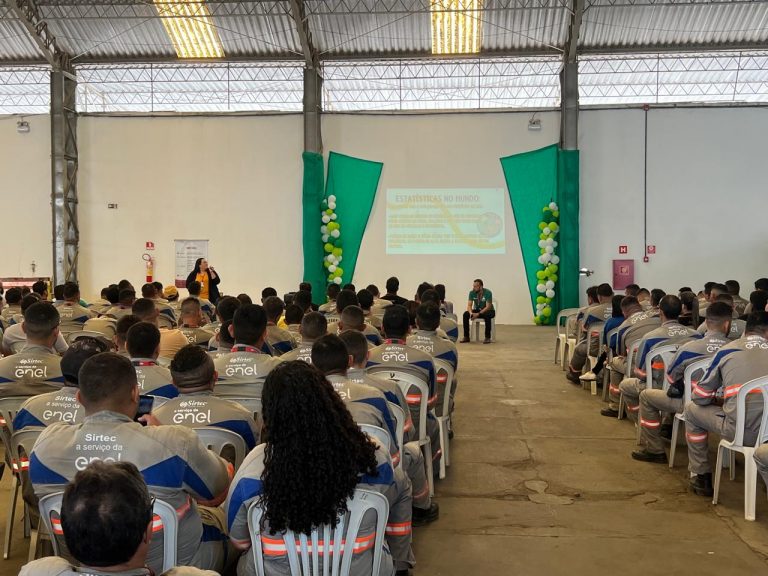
{"type": "Point", "coordinates": [383, 287]}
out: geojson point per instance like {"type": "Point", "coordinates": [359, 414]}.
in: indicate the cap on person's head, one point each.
{"type": "Point", "coordinates": [170, 292]}
{"type": "Point", "coordinates": [78, 352]}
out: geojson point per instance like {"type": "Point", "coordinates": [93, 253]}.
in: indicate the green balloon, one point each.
{"type": "Point", "coordinates": [555, 213]}
{"type": "Point", "coordinates": [537, 320]}
{"type": "Point", "coordinates": [540, 300]}
{"type": "Point", "coordinates": [553, 267]}
{"type": "Point", "coordinates": [542, 225]}
{"type": "Point", "coordinates": [541, 275]}
{"type": "Point", "coordinates": [337, 252]}
{"type": "Point", "coordinates": [553, 277]}
{"type": "Point", "coordinates": [328, 247]}
{"type": "Point", "coordinates": [547, 312]}
{"type": "Point", "coordinates": [339, 271]}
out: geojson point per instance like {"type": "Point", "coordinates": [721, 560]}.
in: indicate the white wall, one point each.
{"type": "Point", "coordinates": [25, 197]}
{"type": "Point", "coordinates": [237, 182]}
{"type": "Point", "coordinates": [442, 151]}
{"type": "Point", "coordinates": [233, 180]}
{"type": "Point", "coordinates": [707, 194]}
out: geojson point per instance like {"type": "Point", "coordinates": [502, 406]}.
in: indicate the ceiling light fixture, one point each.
{"type": "Point", "coordinates": [190, 27]}
{"type": "Point", "coordinates": [456, 26]}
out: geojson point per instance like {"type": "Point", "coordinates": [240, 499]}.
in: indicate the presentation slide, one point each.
{"type": "Point", "coordinates": [445, 221]}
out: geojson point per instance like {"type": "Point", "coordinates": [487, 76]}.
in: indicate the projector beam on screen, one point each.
{"type": "Point", "coordinates": [445, 221]}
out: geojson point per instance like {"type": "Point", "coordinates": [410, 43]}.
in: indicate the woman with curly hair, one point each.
{"type": "Point", "coordinates": [313, 459]}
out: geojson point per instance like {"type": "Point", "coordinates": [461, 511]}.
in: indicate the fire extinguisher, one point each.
{"type": "Point", "coordinates": [150, 262]}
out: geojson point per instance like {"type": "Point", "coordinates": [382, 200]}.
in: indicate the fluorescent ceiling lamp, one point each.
{"type": "Point", "coordinates": [456, 26]}
{"type": "Point", "coordinates": [190, 27]}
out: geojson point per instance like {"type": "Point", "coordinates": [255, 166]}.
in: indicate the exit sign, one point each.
{"type": "Point", "coordinates": [623, 249]}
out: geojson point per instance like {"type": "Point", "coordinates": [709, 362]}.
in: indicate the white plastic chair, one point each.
{"type": "Point", "coordinates": [594, 331]}
{"type": "Point", "coordinates": [405, 380]}
{"type": "Point", "coordinates": [50, 505]}
{"type": "Point", "coordinates": [380, 434]}
{"type": "Point", "coordinates": [690, 370]}
{"type": "Point", "coordinates": [304, 552]}
{"type": "Point", "coordinates": [737, 445]}
{"type": "Point", "coordinates": [399, 415]}
{"type": "Point", "coordinates": [444, 419]}
{"type": "Point", "coordinates": [251, 404]}
{"type": "Point", "coordinates": [477, 322]}
{"type": "Point", "coordinates": [21, 447]}
{"type": "Point", "coordinates": [665, 352]}
{"type": "Point", "coordinates": [561, 322]}
{"type": "Point", "coordinates": [631, 351]}
{"type": "Point", "coordinates": [607, 366]}
{"type": "Point", "coordinates": [8, 409]}
{"type": "Point", "coordinates": [217, 439]}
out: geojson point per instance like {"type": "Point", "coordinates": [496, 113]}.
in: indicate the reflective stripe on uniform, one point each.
{"type": "Point", "coordinates": [22, 464]}
{"type": "Point", "coordinates": [698, 391]}
{"type": "Point", "coordinates": [696, 438]}
{"type": "Point", "coordinates": [399, 529]}
{"type": "Point", "coordinates": [650, 423]}
{"type": "Point", "coordinates": [277, 546]}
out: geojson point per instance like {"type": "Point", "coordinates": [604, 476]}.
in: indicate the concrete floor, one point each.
{"type": "Point", "coordinates": [541, 484]}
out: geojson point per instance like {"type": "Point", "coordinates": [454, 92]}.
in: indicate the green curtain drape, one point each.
{"type": "Point", "coordinates": [534, 179]}
{"type": "Point", "coordinates": [312, 196]}
{"type": "Point", "coordinates": [354, 182]}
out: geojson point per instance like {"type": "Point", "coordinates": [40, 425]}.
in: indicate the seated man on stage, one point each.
{"type": "Point", "coordinates": [479, 305]}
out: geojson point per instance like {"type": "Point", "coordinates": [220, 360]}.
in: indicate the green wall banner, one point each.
{"type": "Point", "coordinates": [543, 187]}
{"type": "Point", "coordinates": [349, 194]}
{"type": "Point", "coordinates": [312, 196]}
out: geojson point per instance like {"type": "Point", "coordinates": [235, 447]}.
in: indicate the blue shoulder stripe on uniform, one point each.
{"type": "Point", "coordinates": [649, 344]}
{"type": "Point", "coordinates": [682, 357]}
{"type": "Point", "coordinates": [197, 484]}
{"type": "Point", "coordinates": [381, 405]}
{"type": "Point", "coordinates": [453, 332]}
{"type": "Point", "coordinates": [167, 474]}
{"type": "Point", "coordinates": [714, 365]}
{"type": "Point", "coordinates": [374, 339]}
{"type": "Point", "coordinates": [24, 419]}
{"type": "Point", "coordinates": [241, 428]}
{"type": "Point", "coordinates": [450, 357]}
{"type": "Point", "coordinates": [212, 534]}
{"type": "Point", "coordinates": [246, 489]}
{"type": "Point", "coordinates": [167, 391]}
{"type": "Point", "coordinates": [5, 380]}
{"type": "Point", "coordinates": [39, 473]}
{"type": "Point", "coordinates": [384, 477]}
{"type": "Point", "coordinates": [282, 347]}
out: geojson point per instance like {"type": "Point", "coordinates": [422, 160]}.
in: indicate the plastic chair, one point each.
{"type": "Point", "coordinates": [21, 447]}
{"type": "Point", "coordinates": [477, 322]}
{"type": "Point", "coordinates": [594, 331]}
{"type": "Point", "coordinates": [405, 380]}
{"type": "Point", "coordinates": [380, 434]}
{"type": "Point", "coordinates": [336, 545]}
{"type": "Point", "coordinates": [607, 367]}
{"type": "Point", "coordinates": [399, 415]}
{"type": "Point", "coordinates": [444, 419]}
{"type": "Point", "coordinates": [631, 351]}
{"type": "Point", "coordinates": [251, 404]}
{"type": "Point", "coordinates": [73, 336]}
{"type": "Point", "coordinates": [217, 439]}
{"type": "Point", "coordinates": [561, 321]}
{"type": "Point", "coordinates": [50, 512]}
{"type": "Point", "coordinates": [665, 352]}
{"type": "Point", "coordinates": [737, 445]}
{"type": "Point", "coordinates": [8, 409]}
{"type": "Point", "coordinates": [690, 370]}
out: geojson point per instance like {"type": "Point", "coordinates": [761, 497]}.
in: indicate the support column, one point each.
{"type": "Point", "coordinates": [64, 164]}
{"type": "Point", "coordinates": [313, 105]}
{"type": "Point", "coordinates": [569, 106]}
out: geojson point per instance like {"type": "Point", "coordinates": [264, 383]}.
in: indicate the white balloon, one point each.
{"type": "Point", "coordinates": [335, 233]}
{"type": "Point", "coordinates": [323, 229]}
{"type": "Point", "coordinates": [329, 257]}
{"type": "Point", "coordinates": [546, 258]}
{"type": "Point", "coordinates": [549, 284]}
{"type": "Point", "coordinates": [550, 293]}
{"type": "Point", "coordinates": [337, 280]}
{"type": "Point", "coordinates": [331, 198]}
{"type": "Point", "coordinates": [546, 231]}
{"type": "Point", "coordinates": [332, 205]}
{"type": "Point", "coordinates": [339, 258]}
{"type": "Point", "coordinates": [555, 259]}
{"type": "Point", "coordinates": [325, 238]}
{"type": "Point", "coordinates": [541, 288]}
{"type": "Point", "coordinates": [326, 218]}
{"type": "Point", "coordinates": [333, 216]}
{"type": "Point", "coordinates": [549, 249]}
{"type": "Point", "coordinates": [552, 206]}
{"type": "Point", "coordinates": [554, 244]}
{"type": "Point", "coordinates": [548, 242]}
{"type": "Point", "coordinates": [541, 259]}
{"type": "Point", "coordinates": [332, 268]}
{"type": "Point", "coordinates": [542, 243]}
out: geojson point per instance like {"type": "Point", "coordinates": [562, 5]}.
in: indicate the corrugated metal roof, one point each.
{"type": "Point", "coordinates": [609, 24]}
{"type": "Point", "coordinates": [15, 41]}
{"type": "Point", "coordinates": [100, 30]}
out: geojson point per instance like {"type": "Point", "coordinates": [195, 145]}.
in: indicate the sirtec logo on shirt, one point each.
{"type": "Point", "coordinates": [98, 443]}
